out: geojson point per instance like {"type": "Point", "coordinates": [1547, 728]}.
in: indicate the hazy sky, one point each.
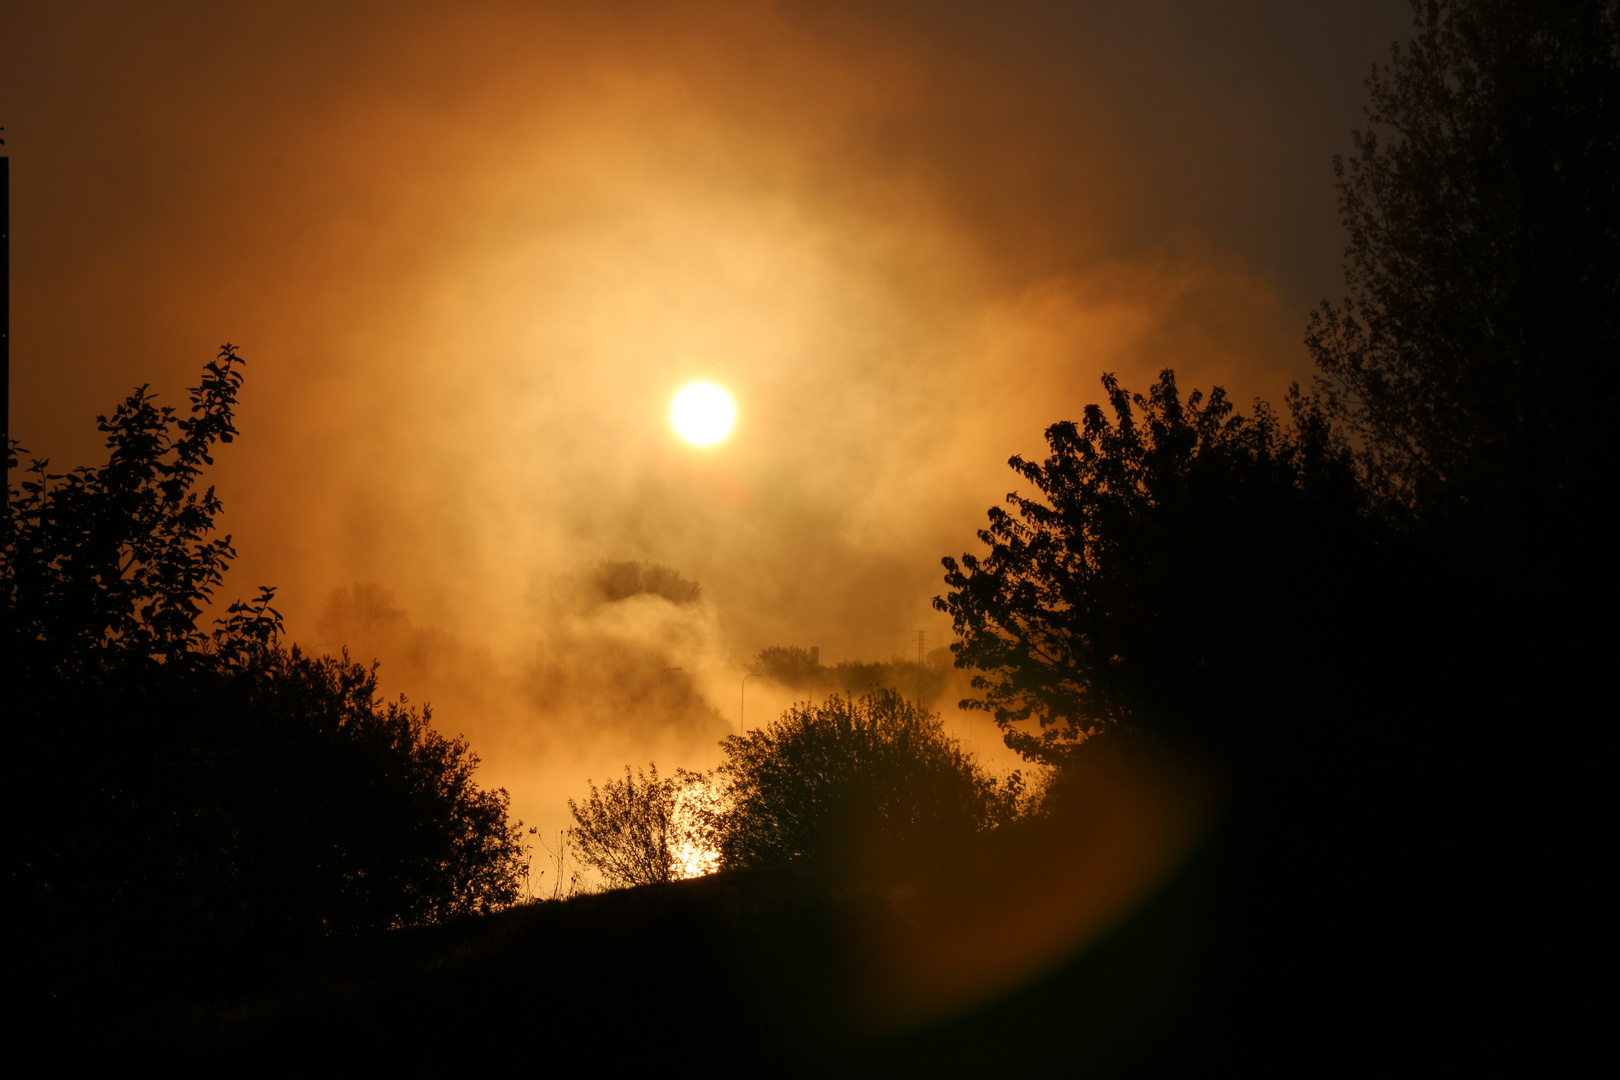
{"type": "Point", "coordinates": [471, 250]}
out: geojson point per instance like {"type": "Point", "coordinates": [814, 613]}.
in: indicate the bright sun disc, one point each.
{"type": "Point", "coordinates": [702, 413]}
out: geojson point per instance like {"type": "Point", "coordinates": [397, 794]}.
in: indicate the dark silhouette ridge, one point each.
{"type": "Point", "coordinates": [781, 971]}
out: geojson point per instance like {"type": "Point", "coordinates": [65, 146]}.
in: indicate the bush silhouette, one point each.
{"type": "Point", "coordinates": [852, 775]}
{"type": "Point", "coordinates": [184, 791]}
{"type": "Point", "coordinates": [644, 829]}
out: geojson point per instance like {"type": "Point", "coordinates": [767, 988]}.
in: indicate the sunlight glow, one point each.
{"type": "Point", "coordinates": [692, 861]}
{"type": "Point", "coordinates": [702, 413]}
{"type": "Point", "coordinates": [691, 835]}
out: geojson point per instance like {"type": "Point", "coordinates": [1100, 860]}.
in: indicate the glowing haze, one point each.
{"type": "Point", "coordinates": [470, 250]}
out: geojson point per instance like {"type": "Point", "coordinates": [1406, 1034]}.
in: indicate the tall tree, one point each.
{"type": "Point", "coordinates": [1474, 355]}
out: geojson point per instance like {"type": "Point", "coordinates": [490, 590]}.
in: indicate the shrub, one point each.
{"type": "Point", "coordinates": [848, 774]}
{"type": "Point", "coordinates": [645, 830]}
{"type": "Point", "coordinates": [179, 789]}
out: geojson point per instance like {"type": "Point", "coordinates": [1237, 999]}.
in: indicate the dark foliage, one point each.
{"type": "Point", "coordinates": [1166, 554]}
{"type": "Point", "coordinates": [794, 667]}
{"type": "Point", "coordinates": [848, 775]}
{"type": "Point", "coordinates": [182, 791]}
{"type": "Point", "coordinates": [113, 565]}
{"type": "Point", "coordinates": [790, 665]}
{"type": "Point", "coordinates": [1473, 361]}
{"type": "Point", "coordinates": [355, 814]}
{"type": "Point", "coordinates": [1474, 355]}
{"type": "Point", "coordinates": [363, 609]}
{"type": "Point", "coordinates": [622, 580]}
{"type": "Point", "coordinates": [779, 960]}
{"type": "Point", "coordinates": [1388, 631]}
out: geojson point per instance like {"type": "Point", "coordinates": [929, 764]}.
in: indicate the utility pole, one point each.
{"type": "Point", "coordinates": [920, 672]}
{"type": "Point", "coordinates": [5, 316]}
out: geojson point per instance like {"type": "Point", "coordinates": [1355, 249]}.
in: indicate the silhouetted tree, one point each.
{"type": "Point", "coordinates": [361, 611]}
{"type": "Point", "coordinates": [181, 789]}
{"type": "Point", "coordinates": [1382, 611]}
{"type": "Point", "coordinates": [644, 830]}
{"type": "Point", "coordinates": [790, 665]}
{"type": "Point", "coordinates": [1473, 357]}
{"type": "Point", "coordinates": [1160, 570]}
{"type": "Point", "coordinates": [114, 564]}
{"type": "Point", "coordinates": [849, 774]}
{"type": "Point", "coordinates": [355, 814]}
{"type": "Point", "coordinates": [622, 580]}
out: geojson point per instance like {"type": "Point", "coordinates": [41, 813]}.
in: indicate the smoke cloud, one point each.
{"type": "Point", "coordinates": [471, 252]}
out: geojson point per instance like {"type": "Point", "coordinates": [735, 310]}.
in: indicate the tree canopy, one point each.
{"type": "Point", "coordinates": [798, 668]}
{"type": "Point", "coordinates": [1451, 465]}
{"type": "Point", "coordinates": [116, 563]}
{"type": "Point", "coordinates": [1154, 566]}
{"type": "Point", "coordinates": [1473, 355]}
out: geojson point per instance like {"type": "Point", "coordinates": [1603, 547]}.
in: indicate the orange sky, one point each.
{"type": "Point", "coordinates": [470, 251]}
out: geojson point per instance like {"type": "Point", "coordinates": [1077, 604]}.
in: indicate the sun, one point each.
{"type": "Point", "coordinates": [702, 413]}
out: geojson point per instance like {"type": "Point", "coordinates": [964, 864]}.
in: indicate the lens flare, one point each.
{"type": "Point", "coordinates": [702, 413]}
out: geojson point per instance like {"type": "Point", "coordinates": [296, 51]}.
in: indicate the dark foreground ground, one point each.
{"type": "Point", "coordinates": [1054, 952]}
{"type": "Point", "coordinates": [1264, 942]}
{"type": "Point", "coordinates": [738, 974]}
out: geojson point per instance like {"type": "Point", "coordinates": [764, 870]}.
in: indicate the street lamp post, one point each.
{"type": "Point", "coordinates": [742, 700]}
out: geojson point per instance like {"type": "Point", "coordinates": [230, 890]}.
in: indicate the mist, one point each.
{"type": "Point", "coordinates": [470, 255]}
